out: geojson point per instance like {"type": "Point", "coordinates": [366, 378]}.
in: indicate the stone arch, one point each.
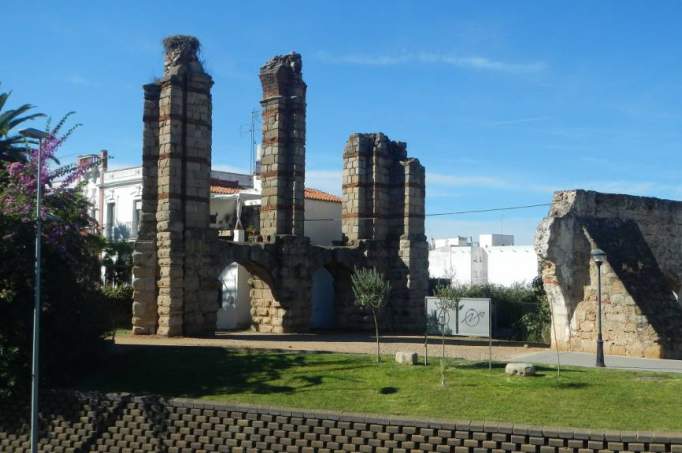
{"type": "Point", "coordinates": [265, 309]}
{"type": "Point", "coordinates": [339, 264]}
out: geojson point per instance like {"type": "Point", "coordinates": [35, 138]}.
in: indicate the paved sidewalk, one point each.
{"type": "Point", "coordinates": [465, 348]}
{"type": "Point", "coordinates": [587, 359]}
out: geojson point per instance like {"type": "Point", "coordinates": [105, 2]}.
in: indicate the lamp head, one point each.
{"type": "Point", "coordinates": [598, 255]}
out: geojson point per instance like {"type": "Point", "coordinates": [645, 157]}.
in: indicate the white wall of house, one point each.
{"type": "Point", "coordinates": [323, 221]}
{"type": "Point", "coordinates": [498, 262]}
{"type": "Point", "coordinates": [508, 265]}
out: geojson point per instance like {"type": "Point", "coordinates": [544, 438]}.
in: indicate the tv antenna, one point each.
{"type": "Point", "coordinates": [252, 136]}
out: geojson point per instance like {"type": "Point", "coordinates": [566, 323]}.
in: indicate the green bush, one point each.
{"type": "Point", "coordinates": [535, 326]}
{"type": "Point", "coordinates": [74, 317]}
{"type": "Point", "coordinates": [119, 300]}
{"type": "Point", "coordinates": [521, 311]}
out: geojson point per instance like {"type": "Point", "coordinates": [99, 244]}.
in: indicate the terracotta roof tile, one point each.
{"type": "Point", "coordinates": [220, 190]}
{"type": "Point", "coordinates": [310, 193]}
{"type": "Point", "coordinates": [314, 194]}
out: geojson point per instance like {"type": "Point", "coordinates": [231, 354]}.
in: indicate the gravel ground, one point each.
{"type": "Point", "coordinates": [466, 348]}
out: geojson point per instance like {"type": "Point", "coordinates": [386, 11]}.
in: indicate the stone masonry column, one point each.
{"type": "Point", "coordinates": [145, 317]}
{"type": "Point", "coordinates": [414, 250]}
{"type": "Point", "coordinates": [178, 156]}
{"type": "Point", "coordinates": [283, 155]}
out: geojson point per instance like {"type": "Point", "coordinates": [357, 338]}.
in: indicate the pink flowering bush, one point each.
{"type": "Point", "coordinates": [74, 318]}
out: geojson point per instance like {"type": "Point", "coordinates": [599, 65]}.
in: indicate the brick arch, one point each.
{"type": "Point", "coordinates": [340, 262]}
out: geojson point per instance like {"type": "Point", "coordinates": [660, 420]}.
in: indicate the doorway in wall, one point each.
{"type": "Point", "coordinates": [234, 310]}
{"type": "Point", "coordinates": [323, 312]}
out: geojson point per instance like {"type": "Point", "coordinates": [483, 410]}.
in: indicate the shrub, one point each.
{"type": "Point", "coordinates": [519, 310]}
{"type": "Point", "coordinates": [118, 262]}
{"type": "Point", "coordinates": [73, 316]}
{"type": "Point", "coordinates": [119, 302]}
{"type": "Point", "coordinates": [535, 326]}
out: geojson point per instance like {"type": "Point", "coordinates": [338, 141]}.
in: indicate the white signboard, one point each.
{"type": "Point", "coordinates": [471, 318]}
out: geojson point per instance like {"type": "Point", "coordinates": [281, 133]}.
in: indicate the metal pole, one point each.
{"type": "Point", "coordinates": [36, 310]}
{"type": "Point", "coordinates": [490, 336]}
{"type": "Point", "coordinates": [600, 341]}
{"type": "Point", "coordinates": [426, 332]}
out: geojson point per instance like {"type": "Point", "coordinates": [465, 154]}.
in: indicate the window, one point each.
{"type": "Point", "coordinates": [111, 207]}
{"type": "Point", "coordinates": [137, 209]}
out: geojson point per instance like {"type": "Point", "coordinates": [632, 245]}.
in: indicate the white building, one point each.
{"type": "Point", "coordinates": [493, 259]}
{"type": "Point", "coordinates": [116, 198]}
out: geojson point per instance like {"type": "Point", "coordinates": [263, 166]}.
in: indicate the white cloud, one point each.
{"type": "Point", "coordinates": [229, 168]}
{"type": "Point", "coordinates": [469, 62]}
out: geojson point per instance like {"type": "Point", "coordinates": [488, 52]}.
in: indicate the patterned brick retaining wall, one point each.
{"type": "Point", "coordinates": [74, 422]}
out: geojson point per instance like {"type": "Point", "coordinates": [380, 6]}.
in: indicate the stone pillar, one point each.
{"type": "Point", "coordinates": [145, 317]}
{"type": "Point", "coordinates": [383, 210]}
{"type": "Point", "coordinates": [414, 251]}
{"type": "Point", "coordinates": [372, 185]}
{"type": "Point", "coordinates": [357, 206]}
{"type": "Point", "coordinates": [178, 141]}
{"type": "Point", "coordinates": [283, 154]}
{"type": "Point", "coordinates": [414, 193]}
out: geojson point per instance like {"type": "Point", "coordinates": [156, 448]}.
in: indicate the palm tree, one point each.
{"type": "Point", "coordinates": [13, 146]}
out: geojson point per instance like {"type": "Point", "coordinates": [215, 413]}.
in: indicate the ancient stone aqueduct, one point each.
{"type": "Point", "coordinates": [641, 277]}
{"type": "Point", "coordinates": [178, 257]}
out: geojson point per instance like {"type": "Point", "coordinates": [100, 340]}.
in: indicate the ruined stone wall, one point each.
{"type": "Point", "coordinates": [283, 147]}
{"type": "Point", "coordinates": [383, 212]}
{"type": "Point", "coordinates": [178, 257]}
{"type": "Point", "coordinates": [642, 238]}
{"type": "Point", "coordinates": [175, 210]}
{"type": "Point", "coordinates": [282, 302]}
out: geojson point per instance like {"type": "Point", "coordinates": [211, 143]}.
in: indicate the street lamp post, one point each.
{"type": "Point", "coordinates": [40, 135]}
{"type": "Point", "coordinates": [599, 256]}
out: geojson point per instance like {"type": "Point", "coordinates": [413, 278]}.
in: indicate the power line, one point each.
{"type": "Point", "coordinates": [436, 214]}
{"type": "Point", "coordinates": [476, 211]}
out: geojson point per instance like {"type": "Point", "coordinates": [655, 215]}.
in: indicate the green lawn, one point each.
{"type": "Point", "coordinates": [588, 398]}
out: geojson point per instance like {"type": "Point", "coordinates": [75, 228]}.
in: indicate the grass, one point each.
{"type": "Point", "coordinates": [589, 398]}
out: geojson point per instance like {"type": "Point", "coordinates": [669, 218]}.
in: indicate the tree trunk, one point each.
{"type": "Point", "coordinates": [376, 333]}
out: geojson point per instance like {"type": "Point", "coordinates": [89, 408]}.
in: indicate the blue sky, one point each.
{"type": "Point", "coordinates": [503, 102]}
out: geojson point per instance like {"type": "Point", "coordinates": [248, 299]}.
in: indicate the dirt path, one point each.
{"type": "Point", "coordinates": [471, 349]}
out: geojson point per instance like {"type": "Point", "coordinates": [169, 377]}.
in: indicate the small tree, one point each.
{"type": "Point", "coordinates": [371, 291]}
{"type": "Point", "coordinates": [117, 260]}
{"type": "Point", "coordinates": [448, 302]}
